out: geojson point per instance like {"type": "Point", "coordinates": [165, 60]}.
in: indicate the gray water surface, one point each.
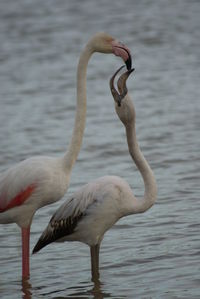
{"type": "Point", "coordinates": [152, 255]}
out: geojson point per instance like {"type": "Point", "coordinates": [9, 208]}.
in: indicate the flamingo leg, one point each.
{"type": "Point", "coordinates": [94, 253]}
{"type": "Point", "coordinates": [25, 232]}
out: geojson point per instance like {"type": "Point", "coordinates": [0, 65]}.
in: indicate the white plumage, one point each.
{"type": "Point", "coordinates": [90, 203]}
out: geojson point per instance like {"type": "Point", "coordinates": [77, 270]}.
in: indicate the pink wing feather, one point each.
{"type": "Point", "coordinates": [21, 181]}
{"type": "Point", "coordinates": [18, 183]}
{"type": "Point", "coordinates": [19, 199]}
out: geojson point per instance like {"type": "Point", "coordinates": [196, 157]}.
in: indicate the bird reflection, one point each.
{"type": "Point", "coordinates": [26, 289]}
{"type": "Point", "coordinates": [96, 290]}
{"type": "Point", "coordinates": [93, 290]}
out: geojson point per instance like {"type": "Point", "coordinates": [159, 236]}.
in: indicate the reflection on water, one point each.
{"type": "Point", "coordinates": [84, 290]}
{"type": "Point", "coordinates": [26, 289]}
{"type": "Point", "coordinates": [93, 289]}
{"type": "Point", "coordinates": [155, 255]}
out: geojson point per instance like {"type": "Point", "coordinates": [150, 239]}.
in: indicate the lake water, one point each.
{"type": "Point", "coordinates": [152, 255]}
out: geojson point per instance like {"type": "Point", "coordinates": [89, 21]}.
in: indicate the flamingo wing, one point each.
{"type": "Point", "coordinates": [15, 187]}
{"type": "Point", "coordinates": [19, 182]}
{"type": "Point", "coordinates": [17, 200]}
{"type": "Point", "coordinates": [67, 217]}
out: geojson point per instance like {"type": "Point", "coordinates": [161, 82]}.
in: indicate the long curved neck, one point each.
{"type": "Point", "coordinates": [150, 194]}
{"type": "Point", "coordinates": [81, 106]}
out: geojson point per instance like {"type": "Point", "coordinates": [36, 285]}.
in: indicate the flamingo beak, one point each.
{"type": "Point", "coordinates": [128, 63]}
{"type": "Point", "coordinates": [119, 96]}
{"type": "Point", "coordinates": [121, 50]}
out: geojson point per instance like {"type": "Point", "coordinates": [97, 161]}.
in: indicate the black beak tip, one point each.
{"type": "Point", "coordinates": [128, 63]}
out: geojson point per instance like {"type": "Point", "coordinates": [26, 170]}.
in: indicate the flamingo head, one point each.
{"type": "Point", "coordinates": [123, 104]}
{"type": "Point", "coordinates": [104, 43]}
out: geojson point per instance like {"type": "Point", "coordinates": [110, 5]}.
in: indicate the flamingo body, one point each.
{"type": "Point", "coordinates": [89, 212]}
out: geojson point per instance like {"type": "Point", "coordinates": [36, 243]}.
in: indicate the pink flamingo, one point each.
{"type": "Point", "coordinates": [39, 181]}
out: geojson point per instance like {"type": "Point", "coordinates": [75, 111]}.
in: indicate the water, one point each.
{"type": "Point", "coordinates": [153, 255]}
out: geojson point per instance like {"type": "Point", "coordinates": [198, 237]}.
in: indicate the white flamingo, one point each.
{"type": "Point", "coordinates": [95, 207]}
{"type": "Point", "coordinates": [39, 181]}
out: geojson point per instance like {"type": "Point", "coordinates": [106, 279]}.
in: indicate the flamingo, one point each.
{"type": "Point", "coordinates": [98, 205]}
{"type": "Point", "coordinates": [39, 181]}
